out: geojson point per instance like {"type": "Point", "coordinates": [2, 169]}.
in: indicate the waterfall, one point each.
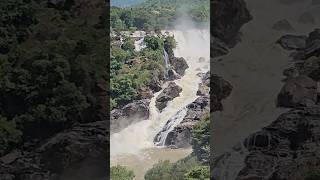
{"type": "Point", "coordinates": [138, 45]}
{"type": "Point", "coordinates": [160, 139]}
{"type": "Point", "coordinates": [135, 139]}
{"type": "Point", "coordinates": [167, 63]}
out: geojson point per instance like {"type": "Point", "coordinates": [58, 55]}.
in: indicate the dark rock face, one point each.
{"type": "Point", "coordinates": [227, 19]}
{"type": "Point", "coordinates": [312, 47]}
{"type": "Point", "coordinates": [131, 113]}
{"type": "Point", "coordinates": [220, 87]}
{"type": "Point", "coordinates": [297, 92]}
{"type": "Point", "coordinates": [78, 153]}
{"type": "Point", "coordinates": [286, 149]}
{"type": "Point", "coordinates": [218, 48]}
{"type": "Point", "coordinates": [179, 65]}
{"type": "Point", "coordinates": [181, 135]}
{"type": "Point", "coordinates": [292, 42]}
{"type": "Point", "coordinates": [204, 86]}
{"type": "Point", "coordinates": [168, 94]}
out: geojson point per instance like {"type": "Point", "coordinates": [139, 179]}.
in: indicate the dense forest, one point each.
{"type": "Point", "coordinates": [53, 68]}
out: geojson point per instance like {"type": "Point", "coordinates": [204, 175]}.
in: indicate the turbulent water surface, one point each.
{"type": "Point", "coordinates": [133, 146]}
{"type": "Point", "coordinates": [254, 68]}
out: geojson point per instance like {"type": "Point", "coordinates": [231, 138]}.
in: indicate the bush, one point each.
{"type": "Point", "coordinates": [201, 140]}
{"type": "Point", "coordinates": [171, 171]}
{"type": "Point", "coordinates": [121, 173]}
{"type": "Point", "coordinates": [199, 173]}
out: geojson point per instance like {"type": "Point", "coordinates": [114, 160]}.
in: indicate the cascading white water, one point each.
{"type": "Point", "coordinates": [167, 63]}
{"type": "Point", "coordinates": [160, 139]}
{"type": "Point", "coordinates": [139, 45]}
{"type": "Point", "coordinates": [135, 143]}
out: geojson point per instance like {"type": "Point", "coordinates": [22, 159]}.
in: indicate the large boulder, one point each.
{"type": "Point", "coordinates": [129, 114]}
{"type": "Point", "coordinates": [227, 19]}
{"type": "Point", "coordinates": [180, 136]}
{"type": "Point", "coordinates": [220, 87]}
{"type": "Point", "coordinates": [179, 65]}
{"type": "Point", "coordinates": [204, 86]}
{"type": "Point", "coordinates": [168, 94]}
{"type": "Point", "coordinates": [77, 153]}
{"type": "Point", "coordinates": [293, 42]}
{"type": "Point", "coordinates": [298, 91]}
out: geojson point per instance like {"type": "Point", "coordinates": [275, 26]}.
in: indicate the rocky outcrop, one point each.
{"type": "Point", "coordinates": [298, 91]}
{"type": "Point", "coordinates": [227, 19]}
{"type": "Point", "coordinates": [78, 153]}
{"type": "Point", "coordinates": [292, 42]}
{"type": "Point", "coordinates": [131, 113]}
{"type": "Point", "coordinates": [289, 147]}
{"type": "Point", "coordinates": [168, 94]}
{"type": "Point", "coordinates": [286, 149]}
{"type": "Point", "coordinates": [204, 86]}
{"type": "Point", "coordinates": [179, 65]}
{"type": "Point", "coordinates": [180, 136]}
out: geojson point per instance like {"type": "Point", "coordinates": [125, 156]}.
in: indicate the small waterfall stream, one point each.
{"type": "Point", "coordinates": [161, 137]}
{"type": "Point", "coordinates": [167, 63]}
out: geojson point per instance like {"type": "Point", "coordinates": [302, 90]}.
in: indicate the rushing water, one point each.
{"type": "Point", "coordinates": [160, 139]}
{"type": "Point", "coordinates": [167, 63]}
{"type": "Point", "coordinates": [254, 68]}
{"type": "Point", "coordinates": [133, 146]}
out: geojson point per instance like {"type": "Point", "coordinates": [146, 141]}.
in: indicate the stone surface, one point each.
{"type": "Point", "coordinates": [168, 94]}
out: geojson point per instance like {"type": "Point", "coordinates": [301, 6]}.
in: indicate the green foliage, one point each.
{"type": "Point", "coordinates": [171, 171]}
{"type": "Point", "coordinates": [201, 140]}
{"type": "Point", "coordinates": [159, 14]}
{"type": "Point", "coordinates": [128, 45]}
{"type": "Point", "coordinates": [170, 42]}
{"type": "Point", "coordinates": [121, 173]}
{"type": "Point", "coordinates": [51, 62]}
{"type": "Point", "coordinates": [312, 175]}
{"type": "Point", "coordinates": [10, 136]}
{"type": "Point", "coordinates": [122, 89]}
{"type": "Point", "coordinates": [153, 42]}
{"type": "Point", "coordinates": [199, 173]}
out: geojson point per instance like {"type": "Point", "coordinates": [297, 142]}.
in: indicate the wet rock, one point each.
{"type": "Point", "coordinates": [131, 113]}
{"type": "Point", "coordinates": [180, 136]}
{"type": "Point", "coordinates": [77, 153]}
{"type": "Point", "coordinates": [297, 92]}
{"type": "Point", "coordinates": [220, 87]}
{"type": "Point", "coordinates": [292, 42]}
{"type": "Point", "coordinates": [218, 48]}
{"type": "Point", "coordinates": [204, 86]}
{"type": "Point", "coordinates": [282, 25]}
{"type": "Point", "coordinates": [172, 75]}
{"type": "Point", "coordinates": [312, 47]}
{"type": "Point", "coordinates": [179, 65]}
{"type": "Point", "coordinates": [168, 94]}
{"type": "Point", "coordinates": [227, 29]}
{"type": "Point", "coordinates": [145, 93]}
{"type": "Point", "coordinates": [286, 149]}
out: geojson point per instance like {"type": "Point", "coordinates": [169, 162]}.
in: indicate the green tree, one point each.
{"type": "Point", "coordinates": [201, 139]}
{"type": "Point", "coordinates": [154, 43]}
{"type": "Point", "coordinates": [128, 44]}
{"type": "Point", "coordinates": [313, 174]}
{"type": "Point", "coordinates": [198, 173]}
{"type": "Point", "coordinates": [121, 173]}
